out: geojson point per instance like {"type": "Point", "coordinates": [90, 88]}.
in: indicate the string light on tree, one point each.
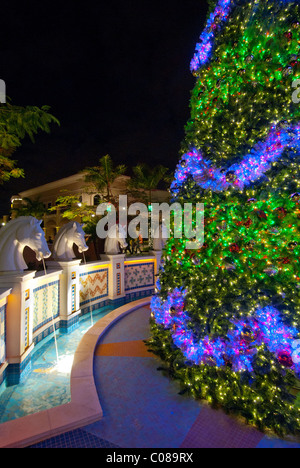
{"type": "Point", "coordinates": [225, 317]}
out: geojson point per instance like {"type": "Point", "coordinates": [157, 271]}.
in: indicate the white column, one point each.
{"type": "Point", "coordinates": [19, 314]}
{"type": "Point", "coordinates": [69, 286]}
{"type": "Point", "coordinates": [116, 275]}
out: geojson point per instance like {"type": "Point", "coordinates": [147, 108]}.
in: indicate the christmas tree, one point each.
{"type": "Point", "coordinates": [226, 317]}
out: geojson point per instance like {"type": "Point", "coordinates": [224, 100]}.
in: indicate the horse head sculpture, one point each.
{"type": "Point", "coordinates": [15, 236]}
{"type": "Point", "coordinates": [115, 240]}
{"type": "Point", "coordinates": [70, 234]}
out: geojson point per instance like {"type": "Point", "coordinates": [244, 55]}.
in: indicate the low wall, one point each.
{"type": "Point", "coordinates": [4, 293]}
{"type": "Point", "coordinates": [33, 303]}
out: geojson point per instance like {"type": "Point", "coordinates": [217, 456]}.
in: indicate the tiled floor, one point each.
{"type": "Point", "coordinates": [142, 408]}
{"type": "Point", "coordinates": [75, 439]}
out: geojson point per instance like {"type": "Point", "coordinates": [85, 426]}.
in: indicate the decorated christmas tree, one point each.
{"type": "Point", "coordinates": [226, 317]}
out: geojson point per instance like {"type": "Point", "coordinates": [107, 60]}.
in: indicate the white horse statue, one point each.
{"type": "Point", "coordinates": [115, 240]}
{"type": "Point", "coordinates": [68, 235]}
{"type": "Point", "coordinates": [160, 236]}
{"type": "Point", "coordinates": [15, 236]}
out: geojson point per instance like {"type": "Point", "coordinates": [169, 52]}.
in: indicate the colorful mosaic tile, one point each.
{"type": "Point", "coordinates": [46, 304]}
{"type": "Point", "coordinates": [93, 286]}
{"type": "Point", "coordinates": [139, 276]}
{"type": "Point", "coordinates": [119, 288]}
{"type": "Point", "coordinates": [2, 334]}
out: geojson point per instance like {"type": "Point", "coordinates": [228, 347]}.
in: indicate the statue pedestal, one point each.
{"type": "Point", "coordinates": [19, 314]}
{"type": "Point", "coordinates": [69, 286]}
{"type": "Point", "coordinates": [116, 275]}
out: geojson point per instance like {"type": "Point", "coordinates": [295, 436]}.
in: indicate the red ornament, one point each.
{"type": "Point", "coordinates": [281, 212]}
{"type": "Point", "coordinates": [285, 359]}
{"type": "Point", "coordinates": [261, 214]}
{"type": "Point", "coordinates": [285, 260]}
{"type": "Point", "coordinates": [248, 222]}
{"type": "Point", "coordinates": [234, 248]}
{"type": "Point", "coordinates": [288, 35]}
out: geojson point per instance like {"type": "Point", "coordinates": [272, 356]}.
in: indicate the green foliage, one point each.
{"type": "Point", "coordinates": [250, 258]}
{"type": "Point", "coordinates": [15, 124]}
{"type": "Point", "coordinates": [146, 179]}
{"type": "Point", "coordinates": [248, 83]}
{"type": "Point", "coordinates": [72, 208]}
{"type": "Point", "coordinates": [31, 207]}
{"type": "Point", "coordinates": [102, 177]}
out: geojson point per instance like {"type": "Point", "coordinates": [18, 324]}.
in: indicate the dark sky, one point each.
{"type": "Point", "coordinates": [115, 73]}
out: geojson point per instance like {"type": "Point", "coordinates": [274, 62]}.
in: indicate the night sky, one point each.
{"type": "Point", "coordinates": [115, 73]}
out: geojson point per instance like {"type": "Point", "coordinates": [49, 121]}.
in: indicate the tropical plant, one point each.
{"type": "Point", "coordinates": [16, 123]}
{"type": "Point", "coordinates": [146, 179]}
{"type": "Point", "coordinates": [31, 207]}
{"type": "Point", "coordinates": [72, 208]}
{"type": "Point", "coordinates": [100, 178]}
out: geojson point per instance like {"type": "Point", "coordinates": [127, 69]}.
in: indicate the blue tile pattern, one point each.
{"type": "Point", "coordinates": [41, 317]}
{"type": "Point", "coordinates": [139, 276]}
{"type": "Point", "coordinates": [2, 334]}
{"type": "Point", "coordinates": [75, 439]}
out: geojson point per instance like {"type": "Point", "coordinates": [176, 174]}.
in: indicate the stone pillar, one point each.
{"type": "Point", "coordinates": [19, 314]}
{"type": "Point", "coordinates": [116, 280]}
{"type": "Point", "coordinates": [69, 286]}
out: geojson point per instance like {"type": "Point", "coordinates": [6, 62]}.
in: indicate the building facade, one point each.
{"type": "Point", "coordinates": [74, 185]}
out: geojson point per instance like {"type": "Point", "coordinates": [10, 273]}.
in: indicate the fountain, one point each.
{"type": "Point", "coordinates": [88, 292]}
{"type": "Point", "coordinates": [14, 237]}
{"type": "Point", "coordinates": [53, 322]}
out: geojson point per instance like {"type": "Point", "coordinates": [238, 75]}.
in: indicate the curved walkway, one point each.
{"type": "Point", "coordinates": [142, 408]}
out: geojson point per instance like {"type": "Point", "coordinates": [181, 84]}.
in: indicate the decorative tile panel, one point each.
{"type": "Point", "coordinates": [119, 287]}
{"type": "Point", "coordinates": [46, 303]}
{"type": "Point", "coordinates": [2, 334]}
{"type": "Point", "coordinates": [73, 297]}
{"type": "Point", "coordinates": [93, 286]}
{"type": "Point", "coordinates": [27, 327]}
{"type": "Point", "coordinates": [138, 276]}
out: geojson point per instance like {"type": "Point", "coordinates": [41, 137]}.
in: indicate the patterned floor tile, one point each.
{"type": "Point", "coordinates": [214, 429]}
{"type": "Point", "coordinates": [75, 439]}
{"type": "Point", "coordinates": [127, 348]}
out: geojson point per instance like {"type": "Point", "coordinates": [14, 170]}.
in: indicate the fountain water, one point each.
{"type": "Point", "coordinates": [53, 323]}
{"type": "Point", "coordinates": [88, 291]}
{"type": "Point", "coordinates": [63, 363]}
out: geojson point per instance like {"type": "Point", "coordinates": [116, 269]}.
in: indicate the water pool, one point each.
{"type": "Point", "coordinates": [46, 382]}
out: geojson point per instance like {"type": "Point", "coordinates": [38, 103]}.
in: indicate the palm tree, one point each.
{"type": "Point", "coordinates": [31, 207]}
{"type": "Point", "coordinates": [102, 177]}
{"type": "Point", "coordinates": [147, 179]}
